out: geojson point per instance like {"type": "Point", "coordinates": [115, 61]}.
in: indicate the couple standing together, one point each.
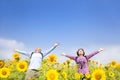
{"type": "Point", "coordinates": [36, 60]}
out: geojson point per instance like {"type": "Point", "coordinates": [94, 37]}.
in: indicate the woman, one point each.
{"type": "Point", "coordinates": [82, 60]}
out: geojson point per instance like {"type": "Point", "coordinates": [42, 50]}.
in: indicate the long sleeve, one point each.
{"type": "Point", "coordinates": [71, 57]}
{"type": "Point", "coordinates": [48, 51]}
{"type": "Point", "coordinates": [92, 54]}
{"type": "Point", "coordinates": [24, 53]}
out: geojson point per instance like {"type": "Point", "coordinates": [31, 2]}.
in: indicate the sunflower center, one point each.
{"type": "Point", "coordinates": [52, 59]}
{"type": "Point", "coordinates": [21, 66]}
{"type": "Point", "coordinates": [52, 76]}
{"type": "Point", "coordinates": [113, 63]}
{"type": "Point", "coordinates": [110, 73]}
{"type": "Point", "coordinates": [98, 76]}
{"type": "Point", "coordinates": [1, 63]}
{"type": "Point", "coordinates": [63, 75]}
{"type": "Point", "coordinates": [4, 72]}
{"type": "Point", "coordinates": [16, 56]}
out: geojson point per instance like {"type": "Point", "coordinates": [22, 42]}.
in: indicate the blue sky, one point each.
{"type": "Point", "coordinates": [74, 23]}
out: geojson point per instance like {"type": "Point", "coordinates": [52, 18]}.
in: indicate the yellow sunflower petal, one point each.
{"type": "Point", "coordinates": [4, 72]}
{"type": "Point", "coordinates": [52, 75]}
{"type": "Point", "coordinates": [22, 66]}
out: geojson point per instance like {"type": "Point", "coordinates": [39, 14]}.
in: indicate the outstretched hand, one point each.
{"type": "Point", "coordinates": [101, 49]}
{"type": "Point", "coordinates": [15, 50]}
{"type": "Point", "coordinates": [56, 44]}
{"type": "Point", "coordinates": [63, 54]}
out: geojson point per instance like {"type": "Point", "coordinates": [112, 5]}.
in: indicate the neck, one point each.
{"type": "Point", "coordinates": [81, 55]}
{"type": "Point", "coordinates": [37, 51]}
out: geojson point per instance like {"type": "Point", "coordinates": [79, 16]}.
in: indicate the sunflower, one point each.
{"type": "Point", "coordinates": [52, 59]}
{"type": "Point", "coordinates": [87, 75]}
{"type": "Point", "coordinates": [13, 62]}
{"type": "Point", "coordinates": [63, 64]}
{"type": "Point", "coordinates": [64, 75]}
{"type": "Point", "coordinates": [2, 63]}
{"type": "Point", "coordinates": [118, 66]}
{"type": "Point", "coordinates": [98, 74]}
{"type": "Point", "coordinates": [22, 66]}
{"type": "Point", "coordinates": [4, 72]}
{"type": "Point", "coordinates": [58, 70]}
{"type": "Point", "coordinates": [68, 61]}
{"type": "Point", "coordinates": [16, 56]}
{"type": "Point", "coordinates": [93, 61]}
{"type": "Point", "coordinates": [107, 67]}
{"type": "Point", "coordinates": [113, 63]}
{"type": "Point", "coordinates": [89, 60]}
{"type": "Point", "coordinates": [77, 75]}
{"type": "Point", "coordinates": [111, 74]}
{"type": "Point", "coordinates": [52, 75]}
{"type": "Point", "coordinates": [96, 62]}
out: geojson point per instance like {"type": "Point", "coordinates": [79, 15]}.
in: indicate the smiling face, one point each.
{"type": "Point", "coordinates": [37, 50]}
{"type": "Point", "coordinates": [80, 52]}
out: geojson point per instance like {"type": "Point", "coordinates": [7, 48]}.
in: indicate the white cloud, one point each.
{"type": "Point", "coordinates": [7, 46]}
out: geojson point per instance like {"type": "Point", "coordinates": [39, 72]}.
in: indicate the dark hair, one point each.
{"type": "Point", "coordinates": [82, 50]}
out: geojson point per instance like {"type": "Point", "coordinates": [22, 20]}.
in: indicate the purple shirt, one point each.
{"type": "Point", "coordinates": [82, 62]}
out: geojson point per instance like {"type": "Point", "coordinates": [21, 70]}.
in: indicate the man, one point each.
{"type": "Point", "coordinates": [35, 61]}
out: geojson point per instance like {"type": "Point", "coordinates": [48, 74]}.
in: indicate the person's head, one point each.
{"type": "Point", "coordinates": [37, 50]}
{"type": "Point", "coordinates": [80, 52]}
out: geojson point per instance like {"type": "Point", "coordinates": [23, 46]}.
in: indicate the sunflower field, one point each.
{"type": "Point", "coordinates": [52, 70]}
